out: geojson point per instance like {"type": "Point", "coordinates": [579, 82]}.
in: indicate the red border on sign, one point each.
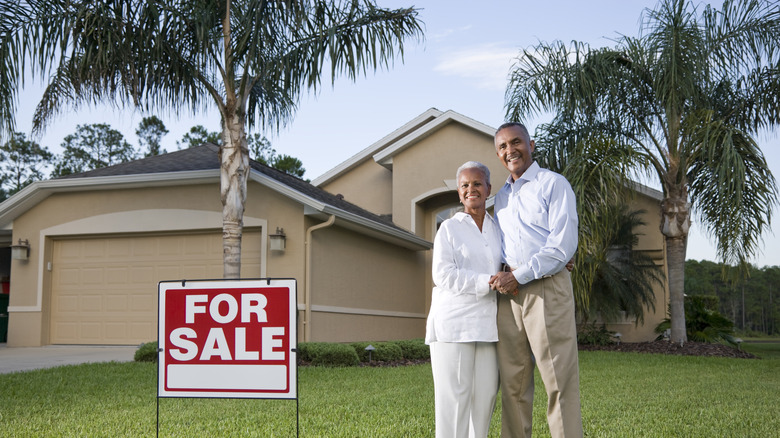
{"type": "Point", "coordinates": [227, 339]}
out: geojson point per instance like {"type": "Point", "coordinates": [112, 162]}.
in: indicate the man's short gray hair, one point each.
{"type": "Point", "coordinates": [473, 165]}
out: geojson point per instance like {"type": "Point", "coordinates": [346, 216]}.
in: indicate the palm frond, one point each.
{"type": "Point", "coordinates": [734, 191]}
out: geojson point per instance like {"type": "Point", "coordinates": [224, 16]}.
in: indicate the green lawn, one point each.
{"type": "Point", "coordinates": [623, 395]}
{"type": "Point", "coordinates": [764, 348]}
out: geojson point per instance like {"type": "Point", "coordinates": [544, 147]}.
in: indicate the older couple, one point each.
{"type": "Point", "coordinates": [479, 337]}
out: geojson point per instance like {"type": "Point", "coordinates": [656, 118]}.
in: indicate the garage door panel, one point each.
{"type": "Point", "coordinates": [93, 249]}
{"type": "Point", "coordinates": [104, 291]}
{"type": "Point", "coordinates": [92, 276]}
{"type": "Point", "coordinates": [66, 276]}
{"type": "Point", "coordinates": [117, 303]}
{"type": "Point", "coordinates": [91, 303]}
{"type": "Point", "coordinates": [119, 248]}
{"type": "Point", "coordinates": [117, 274]}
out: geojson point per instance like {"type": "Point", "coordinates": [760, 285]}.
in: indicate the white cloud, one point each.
{"type": "Point", "coordinates": [447, 32]}
{"type": "Point", "coordinates": [487, 65]}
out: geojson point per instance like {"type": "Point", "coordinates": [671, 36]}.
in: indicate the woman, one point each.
{"type": "Point", "coordinates": [461, 327]}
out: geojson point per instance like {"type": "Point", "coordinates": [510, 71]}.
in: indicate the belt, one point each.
{"type": "Point", "coordinates": [507, 268]}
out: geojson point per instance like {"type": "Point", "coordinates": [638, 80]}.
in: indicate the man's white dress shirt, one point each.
{"type": "Point", "coordinates": [463, 308]}
{"type": "Point", "coordinates": [541, 211]}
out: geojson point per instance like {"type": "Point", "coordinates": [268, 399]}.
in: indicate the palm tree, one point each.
{"type": "Point", "coordinates": [252, 58]}
{"type": "Point", "coordinates": [610, 278]}
{"type": "Point", "coordinates": [688, 96]}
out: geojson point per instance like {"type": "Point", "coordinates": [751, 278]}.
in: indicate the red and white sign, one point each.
{"type": "Point", "coordinates": [227, 339]}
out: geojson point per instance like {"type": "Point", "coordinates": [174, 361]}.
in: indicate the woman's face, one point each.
{"type": "Point", "coordinates": [473, 189]}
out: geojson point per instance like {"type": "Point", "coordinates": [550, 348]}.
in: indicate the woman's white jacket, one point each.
{"type": "Point", "coordinates": [463, 308]}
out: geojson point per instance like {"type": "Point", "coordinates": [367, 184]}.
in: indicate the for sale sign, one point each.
{"type": "Point", "coordinates": [227, 339]}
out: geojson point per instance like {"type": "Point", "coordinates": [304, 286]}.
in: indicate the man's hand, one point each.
{"type": "Point", "coordinates": [505, 283]}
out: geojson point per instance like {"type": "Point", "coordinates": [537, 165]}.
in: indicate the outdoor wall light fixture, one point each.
{"type": "Point", "coordinates": [278, 240]}
{"type": "Point", "coordinates": [20, 251]}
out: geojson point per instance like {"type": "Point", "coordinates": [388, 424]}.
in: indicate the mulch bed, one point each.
{"type": "Point", "coordinates": [665, 347]}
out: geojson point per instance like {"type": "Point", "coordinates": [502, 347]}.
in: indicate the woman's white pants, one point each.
{"type": "Point", "coordinates": [465, 381]}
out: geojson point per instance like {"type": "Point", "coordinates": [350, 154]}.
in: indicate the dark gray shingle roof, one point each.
{"type": "Point", "coordinates": [206, 157]}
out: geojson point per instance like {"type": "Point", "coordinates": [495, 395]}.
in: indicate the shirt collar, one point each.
{"type": "Point", "coordinates": [461, 216]}
{"type": "Point", "coordinates": [528, 175]}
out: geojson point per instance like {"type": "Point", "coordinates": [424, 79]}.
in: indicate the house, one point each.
{"type": "Point", "coordinates": [411, 173]}
{"type": "Point", "coordinates": [358, 239]}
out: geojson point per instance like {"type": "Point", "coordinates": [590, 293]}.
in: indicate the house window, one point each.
{"type": "Point", "coordinates": [446, 214]}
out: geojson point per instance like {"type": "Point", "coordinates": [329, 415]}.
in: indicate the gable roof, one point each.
{"type": "Point", "coordinates": [397, 141]}
{"type": "Point", "coordinates": [385, 156]}
{"type": "Point", "coordinates": [368, 152]}
{"type": "Point", "coordinates": [201, 164]}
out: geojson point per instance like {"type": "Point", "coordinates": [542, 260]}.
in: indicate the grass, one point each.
{"type": "Point", "coordinates": [766, 349]}
{"type": "Point", "coordinates": [623, 394]}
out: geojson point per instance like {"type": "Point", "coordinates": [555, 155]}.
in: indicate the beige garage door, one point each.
{"type": "Point", "coordinates": [104, 291]}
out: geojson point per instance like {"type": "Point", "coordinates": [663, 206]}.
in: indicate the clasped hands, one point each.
{"type": "Point", "coordinates": [506, 283]}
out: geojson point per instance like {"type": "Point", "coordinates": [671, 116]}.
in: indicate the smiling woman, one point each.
{"type": "Point", "coordinates": [461, 327]}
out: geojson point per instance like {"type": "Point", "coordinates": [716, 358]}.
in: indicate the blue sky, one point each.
{"type": "Point", "coordinates": [462, 65]}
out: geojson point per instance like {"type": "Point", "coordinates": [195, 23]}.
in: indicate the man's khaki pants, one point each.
{"type": "Point", "coordinates": [539, 321]}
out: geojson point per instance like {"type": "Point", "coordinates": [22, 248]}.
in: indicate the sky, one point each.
{"type": "Point", "coordinates": [461, 65]}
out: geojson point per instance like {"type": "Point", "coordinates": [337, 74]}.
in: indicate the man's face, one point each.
{"type": "Point", "coordinates": [514, 149]}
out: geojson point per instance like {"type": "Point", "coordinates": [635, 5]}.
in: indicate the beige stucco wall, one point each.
{"type": "Point", "coordinates": [141, 210]}
{"type": "Point", "coordinates": [364, 289]}
{"type": "Point", "coordinates": [651, 241]}
{"type": "Point", "coordinates": [368, 185]}
{"type": "Point", "coordinates": [421, 170]}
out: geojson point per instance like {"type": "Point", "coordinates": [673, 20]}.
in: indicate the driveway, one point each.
{"type": "Point", "coordinates": [13, 359]}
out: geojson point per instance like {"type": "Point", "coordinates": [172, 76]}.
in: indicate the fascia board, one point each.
{"type": "Point", "coordinates": [373, 148]}
{"type": "Point", "coordinates": [313, 207]}
{"type": "Point", "coordinates": [36, 192]}
{"type": "Point", "coordinates": [378, 230]}
{"type": "Point", "coordinates": [384, 157]}
{"type": "Point", "coordinates": [645, 190]}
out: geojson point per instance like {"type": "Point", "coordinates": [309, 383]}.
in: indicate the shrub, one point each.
{"type": "Point", "coordinates": [146, 352]}
{"type": "Point", "coordinates": [327, 354]}
{"type": "Point", "coordinates": [306, 351]}
{"type": "Point", "coordinates": [384, 351]}
{"type": "Point", "coordinates": [703, 323]}
{"type": "Point", "coordinates": [414, 349]}
{"type": "Point", "coordinates": [590, 334]}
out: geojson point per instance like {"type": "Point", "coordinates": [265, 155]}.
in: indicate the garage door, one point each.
{"type": "Point", "coordinates": [104, 291]}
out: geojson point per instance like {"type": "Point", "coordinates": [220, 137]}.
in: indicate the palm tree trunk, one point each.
{"type": "Point", "coordinates": [675, 259]}
{"type": "Point", "coordinates": [234, 172]}
{"type": "Point", "coordinates": [676, 223]}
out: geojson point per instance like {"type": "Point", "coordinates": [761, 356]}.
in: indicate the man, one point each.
{"type": "Point", "coordinates": [536, 212]}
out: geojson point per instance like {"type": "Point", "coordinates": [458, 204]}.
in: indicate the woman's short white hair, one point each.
{"type": "Point", "coordinates": [473, 165]}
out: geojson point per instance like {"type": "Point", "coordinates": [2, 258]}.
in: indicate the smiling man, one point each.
{"type": "Point", "coordinates": [537, 215]}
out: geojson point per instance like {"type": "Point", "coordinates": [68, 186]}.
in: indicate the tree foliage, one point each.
{"type": "Point", "coordinates": [150, 132]}
{"type": "Point", "coordinates": [611, 279]}
{"type": "Point", "coordinates": [92, 147]}
{"type": "Point", "coordinates": [752, 303]}
{"type": "Point", "coordinates": [22, 162]}
{"type": "Point", "coordinates": [684, 102]}
{"type": "Point", "coordinates": [197, 135]}
{"type": "Point", "coordinates": [703, 321]}
{"type": "Point", "coordinates": [260, 150]}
